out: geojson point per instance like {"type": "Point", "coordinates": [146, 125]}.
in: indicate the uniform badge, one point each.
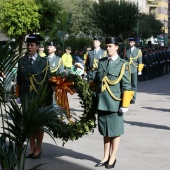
{"type": "Point", "coordinates": [127, 68]}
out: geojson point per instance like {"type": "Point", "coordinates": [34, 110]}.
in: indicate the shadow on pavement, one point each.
{"type": "Point", "coordinates": [58, 151]}
{"type": "Point", "coordinates": [56, 157]}
{"type": "Point", "coordinates": [54, 164]}
{"type": "Point", "coordinates": [149, 125]}
{"type": "Point", "coordinates": [160, 109]}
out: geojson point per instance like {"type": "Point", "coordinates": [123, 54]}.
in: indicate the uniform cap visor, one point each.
{"type": "Point", "coordinates": [131, 39]}
{"type": "Point", "coordinates": [33, 38]}
{"type": "Point", "coordinates": [51, 44]}
{"type": "Point", "coordinates": [97, 38]}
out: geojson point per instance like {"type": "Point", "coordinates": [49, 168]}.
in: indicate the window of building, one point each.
{"type": "Point", "coordinates": [153, 10]}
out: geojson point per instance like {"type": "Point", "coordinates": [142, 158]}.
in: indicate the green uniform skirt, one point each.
{"type": "Point", "coordinates": [110, 124]}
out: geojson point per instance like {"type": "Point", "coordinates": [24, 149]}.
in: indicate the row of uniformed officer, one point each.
{"type": "Point", "coordinates": [156, 62]}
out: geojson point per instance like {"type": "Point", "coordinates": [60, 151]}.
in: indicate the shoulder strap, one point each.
{"type": "Point", "coordinates": [58, 65]}
{"type": "Point", "coordinates": [106, 82]}
{"type": "Point", "coordinates": [104, 54]}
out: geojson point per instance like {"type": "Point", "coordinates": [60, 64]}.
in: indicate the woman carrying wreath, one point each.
{"type": "Point", "coordinates": [112, 83]}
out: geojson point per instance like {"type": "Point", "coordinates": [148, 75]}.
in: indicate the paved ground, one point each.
{"type": "Point", "coordinates": [144, 146]}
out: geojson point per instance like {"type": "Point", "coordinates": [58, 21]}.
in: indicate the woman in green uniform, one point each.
{"type": "Point", "coordinates": [32, 65]}
{"type": "Point", "coordinates": [112, 83]}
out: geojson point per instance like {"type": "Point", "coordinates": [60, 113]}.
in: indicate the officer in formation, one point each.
{"type": "Point", "coordinates": [134, 57]}
{"type": "Point", "coordinates": [55, 62]}
{"type": "Point", "coordinates": [156, 62]}
{"type": "Point", "coordinates": [91, 63]}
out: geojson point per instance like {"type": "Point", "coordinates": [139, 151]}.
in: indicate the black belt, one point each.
{"type": "Point", "coordinates": [67, 67]}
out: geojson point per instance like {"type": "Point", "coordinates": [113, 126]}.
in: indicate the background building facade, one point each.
{"type": "Point", "coordinates": [157, 7]}
{"type": "Point", "coordinates": [161, 9]}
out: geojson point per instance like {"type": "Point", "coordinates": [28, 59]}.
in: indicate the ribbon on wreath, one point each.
{"type": "Point", "coordinates": [62, 87]}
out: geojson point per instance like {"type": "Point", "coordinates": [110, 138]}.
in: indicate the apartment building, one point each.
{"type": "Point", "coordinates": [161, 9]}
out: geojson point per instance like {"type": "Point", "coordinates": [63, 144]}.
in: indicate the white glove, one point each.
{"type": "Point", "coordinates": [18, 100]}
{"type": "Point", "coordinates": [139, 73]}
{"type": "Point", "coordinates": [123, 109]}
{"type": "Point", "coordinates": [1, 79]}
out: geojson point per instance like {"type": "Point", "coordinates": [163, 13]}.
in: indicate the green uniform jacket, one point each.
{"type": "Point", "coordinates": [56, 64]}
{"type": "Point", "coordinates": [90, 66]}
{"type": "Point", "coordinates": [112, 71]}
{"type": "Point", "coordinates": [25, 71]}
{"type": "Point", "coordinates": [133, 55]}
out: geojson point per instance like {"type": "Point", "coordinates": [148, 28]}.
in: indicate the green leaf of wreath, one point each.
{"type": "Point", "coordinates": [86, 122]}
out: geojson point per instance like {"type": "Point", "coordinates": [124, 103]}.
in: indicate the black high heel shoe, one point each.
{"type": "Point", "coordinates": [36, 156]}
{"type": "Point", "coordinates": [29, 155]}
{"type": "Point", "coordinates": [111, 166]}
{"type": "Point", "coordinates": [101, 164]}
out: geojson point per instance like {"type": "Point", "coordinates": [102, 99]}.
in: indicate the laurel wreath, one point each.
{"type": "Point", "coordinates": [86, 122]}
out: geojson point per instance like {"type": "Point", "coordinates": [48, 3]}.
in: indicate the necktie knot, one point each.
{"type": "Point", "coordinates": [30, 61]}
{"type": "Point", "coordinates": [110, 60]}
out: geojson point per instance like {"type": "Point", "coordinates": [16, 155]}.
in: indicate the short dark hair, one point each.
{"type": "Point", "coordinates": [68, 48]}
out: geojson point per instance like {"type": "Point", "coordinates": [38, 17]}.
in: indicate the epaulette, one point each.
{"type": "Point", "coordinates": [90, 51]}
{"type": "Point", "coordinates": [123, 60]}
{"type": "Point", "coordinates": [127, 67]}
{"type": "Point", "coordinates": [103, 59]}
{"type": "Point", "coordinates": [126, 64]}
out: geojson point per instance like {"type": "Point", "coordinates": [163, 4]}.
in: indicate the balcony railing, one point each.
{"type": "Point", "coordinates": [152, 2]}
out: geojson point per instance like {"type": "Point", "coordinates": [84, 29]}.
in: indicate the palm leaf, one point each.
{"type": "Point", "coordinates": [8, 58]}
{"type": "Point", "coordinates": [24, 119]}
{"type": "Point", "coordinates": [7, 156]}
